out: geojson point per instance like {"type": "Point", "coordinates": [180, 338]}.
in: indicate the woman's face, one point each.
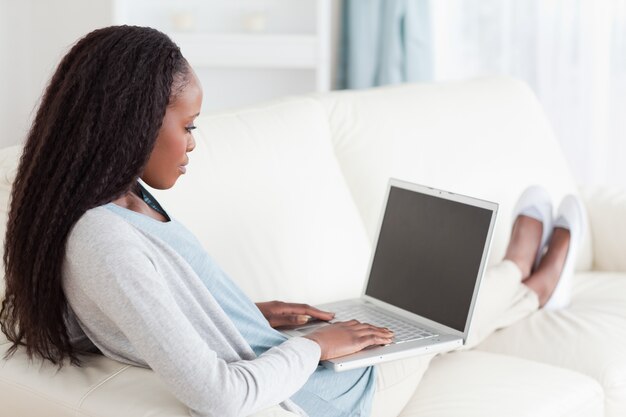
{"type": "Point", "coordinates": [169, 156]}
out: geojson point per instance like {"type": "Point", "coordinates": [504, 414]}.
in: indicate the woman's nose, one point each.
{"type": "Point", "coordinates": [191, 145]}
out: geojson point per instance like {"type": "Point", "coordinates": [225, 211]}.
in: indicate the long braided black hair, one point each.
{"type": "Point", "coordinates": [91, 137]}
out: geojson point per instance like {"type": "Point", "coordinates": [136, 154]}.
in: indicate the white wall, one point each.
{"type": "Point", "coordinates": [14, 70]}
{"type": "Point", "coordinates": [34, 35]}
{"type": "Point", "coordinates": [4, 34]}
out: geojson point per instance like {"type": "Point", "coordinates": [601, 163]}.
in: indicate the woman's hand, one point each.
{"type": "Point", "coordinates": [344, 338]}
{"type": "Point", "coordinates": [279, 313]}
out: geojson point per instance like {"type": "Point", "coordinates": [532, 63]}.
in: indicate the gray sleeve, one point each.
{"type": "Point", "coordinates": [122, 283]}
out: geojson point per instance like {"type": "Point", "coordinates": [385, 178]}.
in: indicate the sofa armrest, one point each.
{"type": "Point", "coordinates": [606, 207]}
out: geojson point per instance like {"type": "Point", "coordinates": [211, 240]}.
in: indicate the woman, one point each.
{"type": "Point", "coordinates": [94, 263]}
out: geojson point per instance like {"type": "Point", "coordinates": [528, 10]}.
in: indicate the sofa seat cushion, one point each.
{"type": "Point", "coordinates": [101, 388]}
{"type": "Point", "coordinates": [588, 337]}
{"type": "Point", "coordinates": [481, 384]}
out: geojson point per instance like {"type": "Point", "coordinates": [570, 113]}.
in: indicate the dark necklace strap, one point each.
{"type": "Point", "coordinates": [150, 200]}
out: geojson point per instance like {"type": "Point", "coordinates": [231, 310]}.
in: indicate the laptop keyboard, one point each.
{"type": "Point", "coordinates": [404, 330]}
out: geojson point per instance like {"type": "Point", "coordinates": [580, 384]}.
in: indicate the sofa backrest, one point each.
{"type": "Point", "coordinates": [266, 197]}
{"type": "Point", "coordinates": [487, 138]}
{"type": "Point", "coordinates": [285, 195]}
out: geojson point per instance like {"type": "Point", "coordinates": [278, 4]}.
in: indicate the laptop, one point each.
{"type": "Point", "coordinates": [424, 274]}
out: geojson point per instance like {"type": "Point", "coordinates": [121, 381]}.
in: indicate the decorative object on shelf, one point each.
{"type": "Point", "coordinates": [182, 21]}
{"type": "Point", "coordinates": [255, 21]}
{"type": "Point", "coordinates": [244, 51]}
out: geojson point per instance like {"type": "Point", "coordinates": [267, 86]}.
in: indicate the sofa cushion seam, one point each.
{"type": "Point", "coordinates": [92, 389]}
{"type": "Point", "coordinates": [45, 397]}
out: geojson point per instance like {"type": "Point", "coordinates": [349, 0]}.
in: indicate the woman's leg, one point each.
{"type": "Point", "coordinates": [395, 384]}
{"type": "Point", "coordinates": [544, 280]}
{"type": "Point", "coordinates": [509, 292]}
{"type": "Point", "coordinates": [502, 300]}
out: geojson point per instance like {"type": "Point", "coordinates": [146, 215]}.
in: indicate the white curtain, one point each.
{"type": "Point", "coordinates": [571, 52]}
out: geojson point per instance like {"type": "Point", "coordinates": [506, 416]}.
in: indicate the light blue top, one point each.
{"type": "Point", "coordinates": [326, 393]}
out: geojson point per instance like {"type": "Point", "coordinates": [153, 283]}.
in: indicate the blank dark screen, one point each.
{"type": "Point", "coordinates": [428, 255]}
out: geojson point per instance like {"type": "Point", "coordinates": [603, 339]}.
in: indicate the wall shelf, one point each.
{"type": "Point", "coordinates": [244, 51]}
{"type": "Point", "coordinates": [249, 51]}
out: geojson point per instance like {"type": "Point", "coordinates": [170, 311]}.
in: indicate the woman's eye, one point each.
{"type": "Point", "coordinates": [190, 128]}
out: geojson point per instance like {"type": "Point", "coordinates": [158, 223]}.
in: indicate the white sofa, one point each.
{"type": "Point", "coordinates": [285, 196]}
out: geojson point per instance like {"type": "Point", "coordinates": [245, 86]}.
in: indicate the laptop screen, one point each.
{"type": "Point", "coordinates": [428, 255]}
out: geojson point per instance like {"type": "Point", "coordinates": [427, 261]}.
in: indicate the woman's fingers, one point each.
{"type": "Point", "coordinates": [374, 331]}
{"type": "Point", "coordinates": [373, 339]}
{"type": "Point", "coordinates": [366, 330]}
{"type": "Point", "coordinates": [361, 334]}
{"type": "Point", "coordinates": [369, 326]}
{"type": "Point", "coordinates": [366, 334]}
{"type": "Point", "coordinates": [348, 323]}
{"type": "Point", "coordinates": [312, 311]}
{"type": "Point", "coordinates": [299, 319]}
{"type": "Point", "coordinates": [288, 320]}
{"type": "Point", "coordinates": [296, 309]}
{"type": "Point", "coordinates": [366, 326]}
{"type": "Point", "coordinates": [347, 337]}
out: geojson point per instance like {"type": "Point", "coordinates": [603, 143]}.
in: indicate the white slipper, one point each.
{"type": "Point", "coordinates": [571, 215]}
{"type": "Point", "coordinates": [535, 202]}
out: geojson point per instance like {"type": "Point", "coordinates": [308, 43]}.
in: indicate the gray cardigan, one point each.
{"type": "Point", "coordinates": [141, 303]}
